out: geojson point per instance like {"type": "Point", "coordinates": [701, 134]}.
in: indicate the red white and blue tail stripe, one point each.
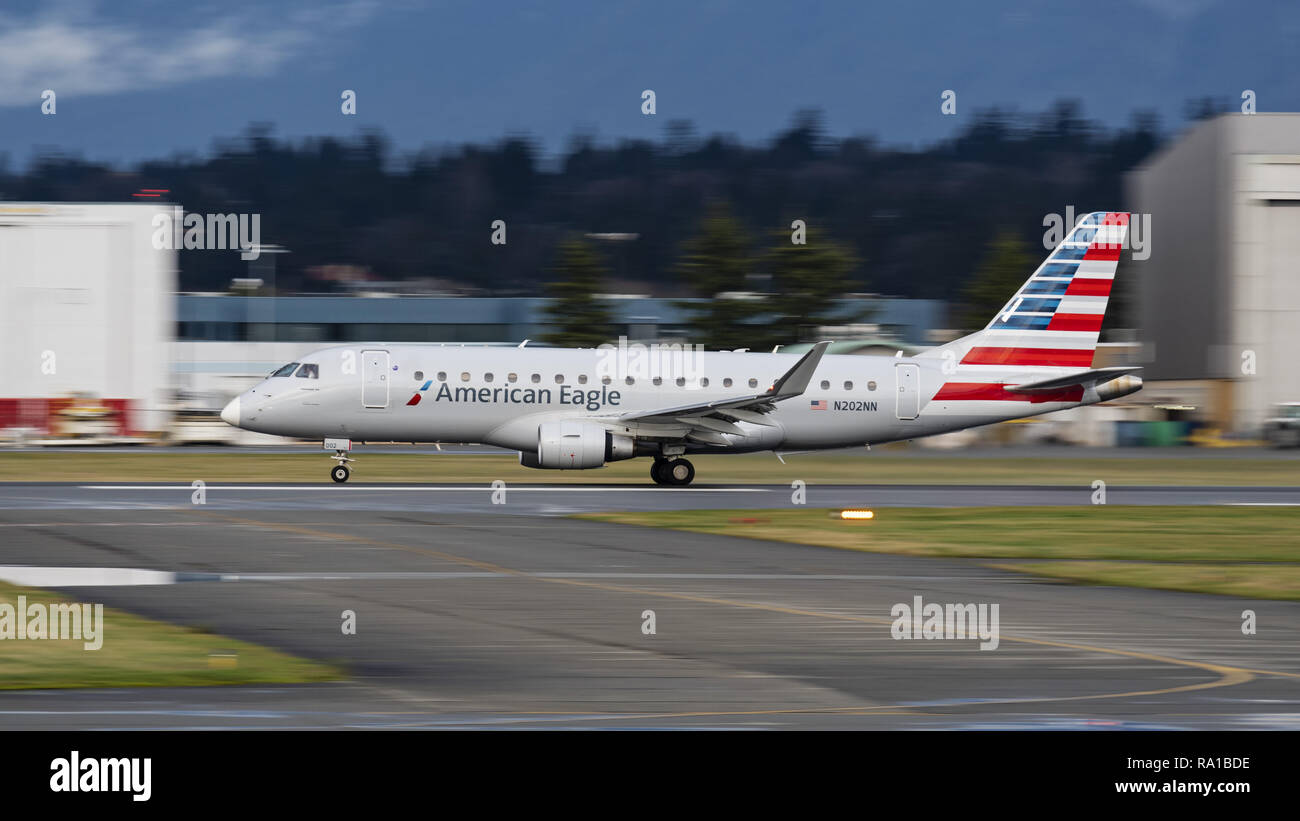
{"type": "Point", "coordinates": [1050, 326]}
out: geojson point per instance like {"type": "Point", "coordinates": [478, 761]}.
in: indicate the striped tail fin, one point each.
{"type": "Point", "coordinates": [1053, 321]}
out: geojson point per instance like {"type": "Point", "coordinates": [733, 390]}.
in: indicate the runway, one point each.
{"type": "Point", "coordinates": [469, 620]}
{"type": "Point", "coordinates": [556, 499]}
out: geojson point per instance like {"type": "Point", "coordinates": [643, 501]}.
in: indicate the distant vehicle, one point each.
{"type": "Point", "coordinates": [576, 409]}
{"type": "Point", "coordinates": [1282, 429]}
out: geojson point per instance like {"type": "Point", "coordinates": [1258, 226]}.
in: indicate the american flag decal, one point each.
{"type": "Point", "coordinates": [818, 404]}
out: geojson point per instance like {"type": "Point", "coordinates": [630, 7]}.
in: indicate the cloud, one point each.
{"type": "Point", "coordinates": [1179, 9]}
{"type": "Point", "coordinates": [83, 56]}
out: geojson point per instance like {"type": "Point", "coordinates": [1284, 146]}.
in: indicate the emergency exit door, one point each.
{"type": "Point", "coordinates": [374, 379]}
{"type": "Point", "coordinates": [907, 378]}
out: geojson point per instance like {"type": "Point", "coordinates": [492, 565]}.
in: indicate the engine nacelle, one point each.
{"type": "Point", "coordinates": [1116, 388]}
{"type": "Point", "coordinates": [576, 446]}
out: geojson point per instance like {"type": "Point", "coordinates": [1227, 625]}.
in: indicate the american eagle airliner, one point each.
{"type": "Point", "coordinates": [575, 409]}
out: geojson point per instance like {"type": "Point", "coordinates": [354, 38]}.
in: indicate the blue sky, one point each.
{"type": "Point", "coordinates": [146, 79]}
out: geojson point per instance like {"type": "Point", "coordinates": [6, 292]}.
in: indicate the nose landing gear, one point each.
{"type": "Point", "coordinates": [340, 472]}
{"type": "Point", "coordinates": [675, 472]}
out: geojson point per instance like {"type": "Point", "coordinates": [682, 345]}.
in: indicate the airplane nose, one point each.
{"type": "Point", "coordinates": [230, 413]}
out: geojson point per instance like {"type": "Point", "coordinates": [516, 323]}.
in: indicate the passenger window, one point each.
{"type": "Point", "coordinates": [605, 380]}
{"type": "Point", "coordinates": [658, 380]}
{"type": "Point", "coordinates": [704, 382]}
{"type": "Point", "coordinates": [464, 377]}
{"type": "Point", "coordinates": [537, 377]}
{"type": "Point", "coordinates": [630, 381]}
{"type": "Point", "coordinates": [559, 379]}
{"type": "Point", "coordinates": [582, 379]}
{"type": "Point", "coordinates": [848, 386]}
{"type": "Point", "coordinates": [512, 377]}
{"type": "Point", "coordinates": [871, 386]}
{"type": "Point", "coordinates": [826, 384]}
{"type": "Point", "coordinates": [681, 380]}
{"type": "Point", "coordinates": [442, 376]}
{"type": "Point", "coordinates": [726, 383]}
{"type": "Point", "coordinates": [286, 370]}
{"type": "Point", "coordinates": [419, 376]}
{"type": "Point", "coordinates": [487, 377]}
{"type": "Point", "coordinates": [753, 383]}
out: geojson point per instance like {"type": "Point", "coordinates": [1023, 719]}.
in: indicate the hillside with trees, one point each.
{"type": "Point", "coordinates": [902, 221]}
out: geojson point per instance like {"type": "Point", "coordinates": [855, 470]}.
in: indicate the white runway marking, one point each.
{"type": "Point", "coordinates": [105, 524]}
{"type": "Point", "coordinates": [424, 489]}
{"type": "Point", "coordinates": [83, 576]}
{"type": "Point", "coordinates": [28, 576]}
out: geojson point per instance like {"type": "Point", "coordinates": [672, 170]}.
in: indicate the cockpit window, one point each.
{"type": "Point", "coordinates": [309, 370]}
{"type": "Point", "coordinates": [286, 370]}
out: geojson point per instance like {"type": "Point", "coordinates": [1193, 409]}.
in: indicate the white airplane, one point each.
{"type": "Point", "coordinates": [574, 409]}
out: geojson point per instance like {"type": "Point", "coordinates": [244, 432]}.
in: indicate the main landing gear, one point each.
{"type": "Point", "coordinates": [678, 472]}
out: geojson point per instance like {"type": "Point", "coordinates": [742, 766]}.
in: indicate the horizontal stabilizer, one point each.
{"type": "Point", "coordinates": [1081, 379]}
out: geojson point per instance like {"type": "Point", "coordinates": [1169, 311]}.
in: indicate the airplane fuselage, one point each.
{"type": "Point", "coordinates": [499, 396]}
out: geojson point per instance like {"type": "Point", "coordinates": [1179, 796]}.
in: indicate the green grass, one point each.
{"type": "Point", "coordinates": [1200, 549]}
{"type": "Point", "coordinates": [880, 466]}
{"type": "Point", "coordinates": [1247, 581]}
{"type": "Point", "coordinates": [140, 652]}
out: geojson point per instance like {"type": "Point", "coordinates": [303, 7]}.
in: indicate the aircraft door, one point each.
{"type": "Point", "coordinates": [908, 378]}
{"type": "Point", "coordinates": [374, 379]}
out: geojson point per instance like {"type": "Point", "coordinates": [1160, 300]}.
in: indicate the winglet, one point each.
{"type": "Point", "coordinates": [795, 381]}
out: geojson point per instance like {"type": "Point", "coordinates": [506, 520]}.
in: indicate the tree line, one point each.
{"type": "Point", "coordinates": [707, 211]}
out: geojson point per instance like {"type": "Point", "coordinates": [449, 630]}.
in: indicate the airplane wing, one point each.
{"type": "Point", "coordinates": [707, 421]}
{"type": "Point", "coordinates": [1082, 379]}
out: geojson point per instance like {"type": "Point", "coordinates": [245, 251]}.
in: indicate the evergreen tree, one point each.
{"type": "Point", "coordinates": [717, 261]}
{"type": "Point", "coordinates": [578, 317]}
{"type": "Point", "coordinates": [1007, 264]}
{"type": "Point", "coordinates": [806, 280]}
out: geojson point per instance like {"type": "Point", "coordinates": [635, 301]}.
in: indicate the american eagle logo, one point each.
{"type": "Point", "coordinates": [415, 397]}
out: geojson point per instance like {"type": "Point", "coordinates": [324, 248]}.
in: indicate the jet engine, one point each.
{"type": "Point", "coordinates": [575, 446]}
{"type": "Point", "coordinates": [1116, 388]}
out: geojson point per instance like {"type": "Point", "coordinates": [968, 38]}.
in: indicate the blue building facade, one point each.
{"type": "Point", "coordinates": [482, 320]}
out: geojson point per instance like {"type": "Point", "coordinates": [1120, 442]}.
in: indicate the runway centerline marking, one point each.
{"type": "Point", "coordinates": [1227, 675]}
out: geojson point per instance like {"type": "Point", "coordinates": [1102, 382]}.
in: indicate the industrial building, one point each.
{"type": "Point", "coordinates": [87, 309]}
{"type": "Point", "coordinates": [1218, 300]}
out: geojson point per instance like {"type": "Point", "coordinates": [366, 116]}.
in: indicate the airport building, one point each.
{"type": "Point", "coordinates": [88, 306]}
{"type": "Point", "coordinates": [1218, 300]}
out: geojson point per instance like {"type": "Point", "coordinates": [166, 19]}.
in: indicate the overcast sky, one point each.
{"type": "Point", "coordinates": [149, 78]}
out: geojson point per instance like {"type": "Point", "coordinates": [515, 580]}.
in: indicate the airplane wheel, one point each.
{"type": "Point", "coordinates": [679, 472]}
{"type": "Point", "coordinates": [656, 471]}
{"type": "Point", "coordinates": [340, 473]}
